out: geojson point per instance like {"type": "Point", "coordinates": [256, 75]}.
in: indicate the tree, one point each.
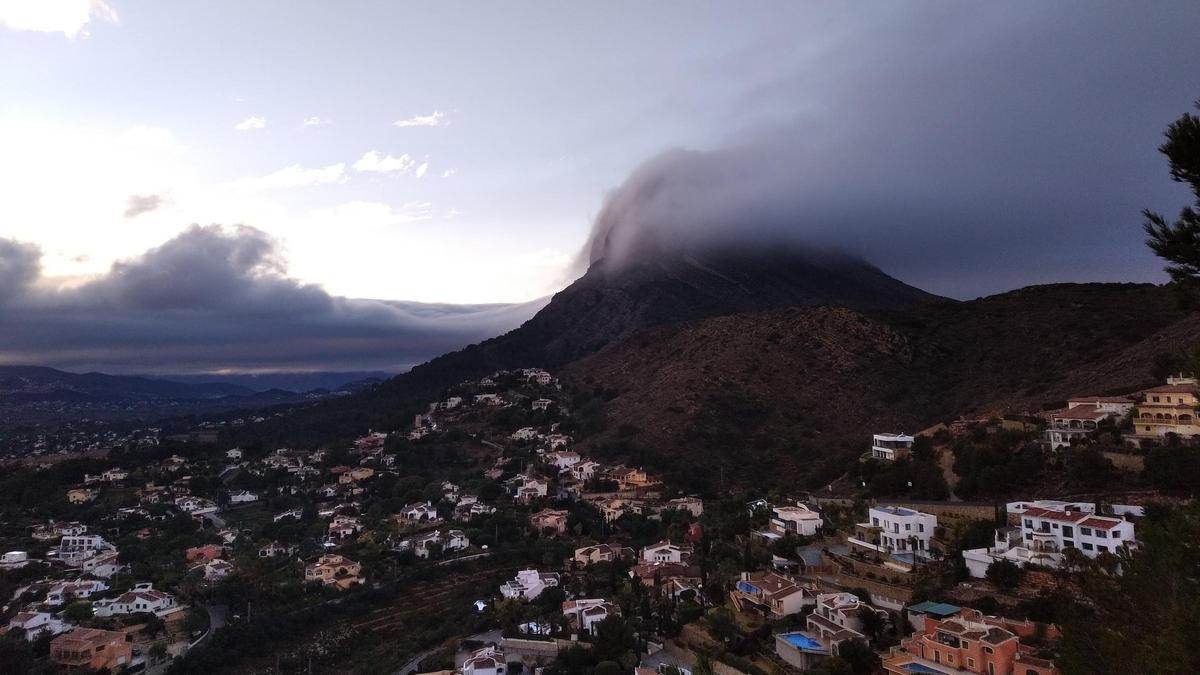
{"type": "Point", "coordinates": [860, 657]}
{"type": "Point", "coordinates": [703, 665]}
{"type": "Point", "coordinates": [873, 624]}
{"type": "Point", "coordinates": [722, 625]}
{"type": "Point", "coordinates": [1005, 573]}
{"type": "Point", "coordinates": [77, 611]}
{"type": "Point", "coordinates": [1145, 618]}
{"type": "Point", "coordinates": [1179, 243]}
{"type": "Point", "coordinates": [607, 668]}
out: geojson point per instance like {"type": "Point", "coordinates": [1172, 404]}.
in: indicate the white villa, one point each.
{"type": "Point", "coordinates": [1047, 529]}
{"type": "Point", "coordinates": [528, 584]}
{"type": "Point", "coordinates": [798, 519]}
{"type": "Point", "coordinates": [891, 447]}
{"type": "Point", "coordinates": [894, 529]}
{"type": "Point", "coordinates": [143, 598]}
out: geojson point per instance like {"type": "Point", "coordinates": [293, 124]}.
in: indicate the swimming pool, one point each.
{"type": "Point", "coordinates": [802, 641]}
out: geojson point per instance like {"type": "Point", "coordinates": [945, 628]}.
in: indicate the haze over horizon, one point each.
{"type": "Point", "coordinates": [280, 196]}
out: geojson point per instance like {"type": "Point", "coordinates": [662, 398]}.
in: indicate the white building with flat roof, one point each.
{"type": "Point", "coordinates": [798, 519]}
{"type": "Point", "coordinates": [890, 447]}
{"type": "Point", "coordinates": [895, 529]}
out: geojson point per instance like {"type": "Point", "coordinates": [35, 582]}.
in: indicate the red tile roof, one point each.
{"type": "Point", "coordinates": [1081, 412]}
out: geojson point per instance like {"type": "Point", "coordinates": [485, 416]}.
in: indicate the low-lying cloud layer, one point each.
{"type": "Point", "coordinates": [217, 298]}
{"type": "Point", "coordinates": [965, 149]}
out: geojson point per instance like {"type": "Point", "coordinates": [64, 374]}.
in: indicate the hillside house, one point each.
{"type": "Point", "coordinates": [584, 614]}
{"type": "Point", "coordinates": [1170, 409]}
{"type": "Point", "coordinates": [63, 591]}
{"type": "Point", "coordinates": [965, 643]}
{"type": "Point", "coordinates": [563, 460]}
{"type": "Point", "coordinates": [895, 531]}
{"type": "Point", "coordinates": [277, 550]}
{"type": "Point", "coordinates": [554, 520]}
{"type": "Point", "coordinates": [524, 434]}
{"type": "Point", "coordinates": [1046, 530]}
{"type": "Point", "coordinates": [771, 595]}
{"type": "Point", "coordinates": [528, 584]}
{"type": "Point", "coordinates": [334, 570]}
{"type": "Point", "coordinates": [234, 454]}
{"type": "Point", "coordinates": [837, 617]}
{"type": "Point", "coordinates": [217, 570]}
{"type": "Point", "coordinates": [92, 648]}
{"type": "Point", "coordinates": [799, 520]}
{"type": "Point", "coordinates": [418, 513]}
{"type": "Point", "coordinates": [486, 661]}
{"type": "Point", "coordinates": [356, 474]}
{"type": "Point", "coordinates": [693, 505]}
{"type": "Point", "coordinates": [1075, 424]}
{"type": "Point", "coordinates": [601, 553]}
{"type": "Point", "coordinates": [585, 470]}
{"type": "Point", "coordinates": [204, 553]}
{"type": "Point", "coordinates": [82, 495]}
{"type": "Point", "coordinates": [143, 598]}
{"type": "Point", "coordinates": [890, 447]}
{"type": "Point", "coordinates": [296, 513]}
{"type": "Point", "coordinates": [243, 497]}
{"type": "Point", "coordinates": [34, 625]}
{"type": "Point", "coordinates": [666, 552]}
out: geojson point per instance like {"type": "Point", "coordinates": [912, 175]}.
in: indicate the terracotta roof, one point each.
{"type": "Point", "coordinates": [1051, 514]}
{"type": "Point", "coordinates": [1100, 523]}
{"type": "Point", "coordinates": [1175, 389]}
{"type": "Point", "coordinates": [1081, 412]}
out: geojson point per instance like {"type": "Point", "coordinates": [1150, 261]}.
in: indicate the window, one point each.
{"type": "Point", "coordinates": [1087, 546]}
{"type": "Point", "coordinates": [970, 663]}
{"type": "Point", "coordinates": [1068, 531]}
{"type": "Point", "coordinates": [920, 527]}
{"type": "Point", "coordinates": [1155, 399]}
{"type": "Point", "coordinates": [1085, 531]}
{"type": "Point", "coordinates": [987, 650]}
{"type": "Point", "coordinates": [1029, 523]}
{"type": "Point", "coordinates": [907, 527]}
{"type": "Point", "coordinates": [1101, 534]}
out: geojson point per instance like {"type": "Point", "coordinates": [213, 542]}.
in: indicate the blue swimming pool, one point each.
{"type": "Point", "coordinates": [802, 641]}
{"type": "Point", "coordinates": [920, 668]}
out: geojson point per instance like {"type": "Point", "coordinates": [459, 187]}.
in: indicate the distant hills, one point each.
{"type": "Point", "coordinates": [31, 394]}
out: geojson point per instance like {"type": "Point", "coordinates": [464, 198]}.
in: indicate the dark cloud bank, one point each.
{"type": "Point", "coordinates": [218, 298]}
{"type": "Point", "coordinates": [965, 148]}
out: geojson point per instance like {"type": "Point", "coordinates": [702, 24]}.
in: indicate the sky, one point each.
{"type": "Point", "coordinates": [373, 155]}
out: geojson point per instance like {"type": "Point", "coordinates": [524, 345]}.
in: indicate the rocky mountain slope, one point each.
{"type": "Point", "coordinates": [610, 303]}
{"type": "Point", "coordinates": [772, 393]}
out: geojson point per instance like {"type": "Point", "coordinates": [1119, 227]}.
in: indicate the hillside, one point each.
{"type": "Point", "coordinates": [609, 303]}
{"type": "Point", "coordinates": [783, 388]}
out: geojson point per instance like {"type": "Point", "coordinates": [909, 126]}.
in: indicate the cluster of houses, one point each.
{"type": "Point", "coordinates": [1172, 409]}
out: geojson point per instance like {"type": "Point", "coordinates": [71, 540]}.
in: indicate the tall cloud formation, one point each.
{"type": "Point", "coordinates": [966, 149]}
{"type": "Point", "coordinates": [218, 298]}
